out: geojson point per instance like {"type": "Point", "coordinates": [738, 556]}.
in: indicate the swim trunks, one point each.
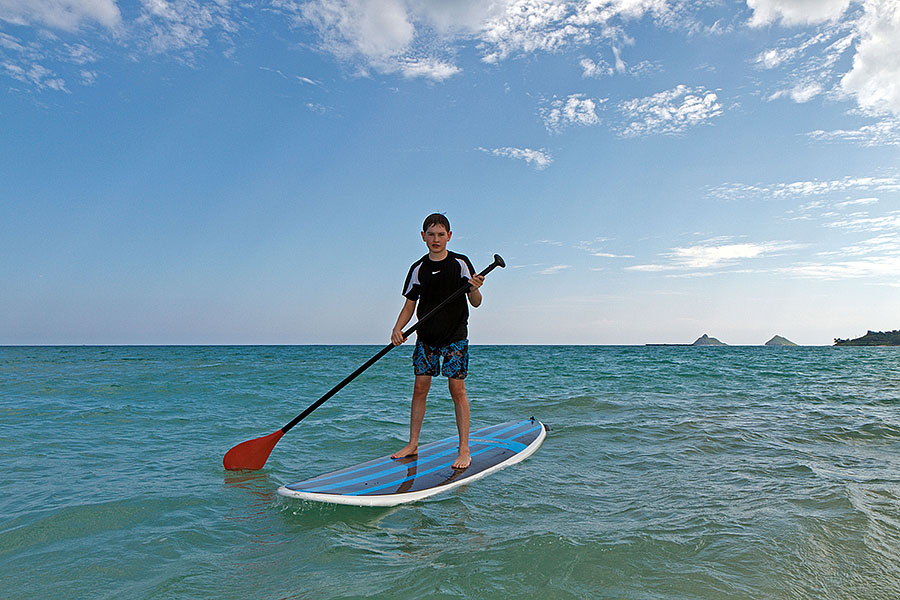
{"type": "Point", "coordinates": [427, 359]}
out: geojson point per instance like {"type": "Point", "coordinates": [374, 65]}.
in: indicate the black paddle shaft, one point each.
{"type": "Point", "coordinates": [498, 262]}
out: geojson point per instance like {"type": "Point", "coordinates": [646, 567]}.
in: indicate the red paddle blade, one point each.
{"type": "Point", "coordinates": [252, 454]}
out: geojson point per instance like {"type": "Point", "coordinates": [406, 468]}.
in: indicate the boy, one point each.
{"type": "Point", "coordinates": [430, 280]}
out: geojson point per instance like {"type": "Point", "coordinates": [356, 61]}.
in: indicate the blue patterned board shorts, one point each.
{"type": "Point", "coordinates": [427, 359]}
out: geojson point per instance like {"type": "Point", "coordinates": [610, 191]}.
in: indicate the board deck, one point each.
{"type": "Point", "coordinates": [387, 481]}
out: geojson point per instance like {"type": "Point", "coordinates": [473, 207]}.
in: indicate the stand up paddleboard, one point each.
{"type": "Point", "coordinates": [387, 481]}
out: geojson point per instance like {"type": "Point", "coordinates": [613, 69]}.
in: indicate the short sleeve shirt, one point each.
{"type": "Point", "coordinates": [430, 283]}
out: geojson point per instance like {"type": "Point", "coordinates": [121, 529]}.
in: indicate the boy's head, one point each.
{"type": "Point", "coordinates": [436, 219]}
{"type": "Point", "coordinates": [436, 234]}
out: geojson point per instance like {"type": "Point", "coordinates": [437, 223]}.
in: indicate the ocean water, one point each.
{"type": "Point", "coordinates": [670, 472]}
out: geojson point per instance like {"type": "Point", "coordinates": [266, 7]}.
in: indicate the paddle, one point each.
{"type": "Point", "coordinates": [253, 454]}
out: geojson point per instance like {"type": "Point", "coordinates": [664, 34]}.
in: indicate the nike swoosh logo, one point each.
{"type": "Point", "coordinates": [435, 272]}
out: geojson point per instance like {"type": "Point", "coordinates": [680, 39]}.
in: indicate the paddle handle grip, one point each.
{"type": "Point", "coordinates": [498, 262]}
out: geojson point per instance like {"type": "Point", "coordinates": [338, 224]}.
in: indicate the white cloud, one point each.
{"type": "Point", "coordinates": [872, 258]}
{"type": "Point", "coordinates": [555, 269]}
{"type": "Point", "coordinates": [870, 267]}
{"type": "Point", "coordinates": [669, 112]}
{"type": "Point", "coordinates": [611, 255]}
{"type": "Point", "coordinates": [596, 248]}
{"type": "Point", "coordinates": [88, 77]}
{"type": "Point", "coordinates": [796, 12]}
{"type": "Point", "coordinates": [714, 254]}
{"type": "Point", "coordinates": [182, 25]}
{"type": "Point", "coordinates": [866, 223]}
{"type": "Point", "coordinates": [539, 159]}
{"type": "Point", "coordinates": [389, 36]}
{"type": "Point", "coordinates": [10, 43]}
{"type": "Point", "coordinates": [532, 25]}
{"type": "Point", "coordinates": [874, 79]}
{"type": "Point", "coordinates": [800, 93]}
{"type": "Point", "coordinates": [80, 54]}
{"type": "Point", "coordinates": [868, 28]}
{"type": "Point", "coordinates": [380, 31]}
{"type": "Point", "coordinates": [577, 109]}
{"type": "Point", "coordinates": [377, 29]}
{"type": "Point", "coordinates": [429, 68]}
{"type": "Point", "coordinates": [797, 189]}
{"type": "Point", "coordinates": [857, 202]}
{"type": "Point", "coordinates": [884, 244]}
{"type": "Point", "coordinates": [774, 57]}
{"type": "Point", "coordinates": [67, 15]}
{"type": "Point", "coordinates": [36, 74]}
{"type": "Point", "coordinates": [527, 26]}
{"type": "Point", "coordinates": [598, 68]}
{"type": "Point", "coordinates": [620, 64]}
{"type": "Point", "coordinates": [883, 133]}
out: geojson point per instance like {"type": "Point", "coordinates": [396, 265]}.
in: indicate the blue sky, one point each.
{"type": "Point", "coordinates": [212, 172]}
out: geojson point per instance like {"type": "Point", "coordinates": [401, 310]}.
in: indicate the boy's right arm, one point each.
{"type": "Point", "coordinates": [406, 313]}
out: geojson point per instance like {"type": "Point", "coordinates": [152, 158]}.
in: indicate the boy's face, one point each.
{"type": "Point", "coordinates": [436, 238]}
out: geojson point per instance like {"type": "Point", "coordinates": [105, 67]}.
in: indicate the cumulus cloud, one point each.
{"type": "Point", "coordinates": [67, 15]}
{"type": "Point", "coordinates": [377, 29]}
{"type": "Point", "coordinates": [539, 159]}
{"type": "Point", "coordinates": [390, 36]}
{"type": "Point", "coordinates": [577, 109]}
{"type": "Point", "coordinates": [869, 30]}
{"type": "Point", "coordinates": [874, 79]}
{"type": "Point", "coordinates": [527, 26]}
{"type": "Point", "coordinates": [380, 32]}
{"type": "Point", "coordinates": [669, 112]}
{"type": "Point", "coordinates": [795, 12]}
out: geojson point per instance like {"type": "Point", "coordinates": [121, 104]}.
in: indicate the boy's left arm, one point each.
{"type": "Point", "coordinates": [474, 294]}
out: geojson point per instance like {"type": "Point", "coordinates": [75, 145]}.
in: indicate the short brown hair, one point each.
{"type": "Point", "coordinates": [436, 219]}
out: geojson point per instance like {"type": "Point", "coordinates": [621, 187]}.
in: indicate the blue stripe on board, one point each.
{"type": "Point", "coordinates": [403, 467]}
{"type": "Point", "coordinates": [427, 451]}
{"type": "Point", "coordinates": [423, 458]}
{"type": "Point", "coordinates": [431, 470]}
{"type": "Point", "coordinates": [318, 488]}
{"type": "Point", "coordinates": [508, 444]}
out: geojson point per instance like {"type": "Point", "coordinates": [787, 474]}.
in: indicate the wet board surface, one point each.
{"type": "Point", "coordinates": [386, 481]}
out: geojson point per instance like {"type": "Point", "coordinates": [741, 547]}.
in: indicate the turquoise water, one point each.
{"type": "Point", "coordinates": [669, 473]}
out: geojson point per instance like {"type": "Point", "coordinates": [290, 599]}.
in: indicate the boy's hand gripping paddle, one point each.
{"type": "Point", "coordinates": [253, 454]}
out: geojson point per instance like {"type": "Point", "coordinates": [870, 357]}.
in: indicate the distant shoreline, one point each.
{"type": "Point", "coordinates": [872, 338]}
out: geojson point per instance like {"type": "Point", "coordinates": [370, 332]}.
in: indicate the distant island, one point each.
{"type": "Point", "coordinates": [780, 341]}
{"type": "Point", "coordinates": [872, 338]}
{"type": "Point", "coordinates": [705, 340]}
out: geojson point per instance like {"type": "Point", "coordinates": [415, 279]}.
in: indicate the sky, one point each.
{"type": "Point", "coordinates": [257, 171]}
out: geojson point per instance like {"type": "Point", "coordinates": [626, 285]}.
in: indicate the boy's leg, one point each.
{"type": "Point", "coordinates": [416, 416]}
{"type": "Point", "coordinates": [461, 406]}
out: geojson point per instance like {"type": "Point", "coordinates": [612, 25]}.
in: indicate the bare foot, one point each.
{"type": "Point", "coordinates": [463, 460]}
{"type": "Point", "coordinates": [408, 450]}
